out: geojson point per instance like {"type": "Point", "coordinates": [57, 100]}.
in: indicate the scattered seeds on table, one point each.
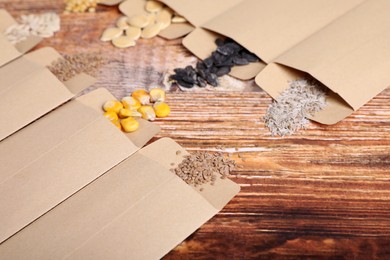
{"type": "Point", "coordinates": [43, 25]}
{"type": "Point", "coordinates": [122, 23]}
{"type": "Point", "coordinates": [289, 112]}
{"type": "Point", "coordinates": [150, 31]}
{"type": "Point", "coordinates": [203, 167]}
{"type": "Point", "coordinates": [133, 32]}
{"type": "Point", "coordinates": [72, 64]}
{"type": "Point", "coordinates": [227, 55]}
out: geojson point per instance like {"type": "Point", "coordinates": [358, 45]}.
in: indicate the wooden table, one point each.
{"type": "Point", "coordinates": [321, 193]}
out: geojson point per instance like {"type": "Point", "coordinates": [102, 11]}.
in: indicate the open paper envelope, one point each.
{"type": "Point", "coordinates": [57, 155]}
{"type": "Point", "coordinates": [9, 51]}
{"type": "Point", "coordinates": [30, 90]}
{"type": "Point", "coordinates": [343, 44]}
{"type": "Point", "coordinates": [136, 210]}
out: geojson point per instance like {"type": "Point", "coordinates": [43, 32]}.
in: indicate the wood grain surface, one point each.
{"type": "Point", "coordinates": [323, 193]}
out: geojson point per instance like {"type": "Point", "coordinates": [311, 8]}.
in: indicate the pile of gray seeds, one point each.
{"type": "Point", "coordinates": [289, 112]}
{"type": "Point", "coordinates": [203, 167]}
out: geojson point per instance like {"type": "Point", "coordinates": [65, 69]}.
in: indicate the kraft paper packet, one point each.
{"type": "Point", "coordinates": [30, 90]}
{"type": "Point", "coordinates": [343, 44]}
{"type": "Point", "coordinates": [48, 161]}
{"type": "Point", "coordinates": [9, 51]}
{"type": "Point", "coordinates": [137, 210]}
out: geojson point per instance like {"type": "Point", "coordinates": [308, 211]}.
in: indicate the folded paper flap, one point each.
{"type": "Point", "coordinates": [136, 204]}
{"type": "Point", "coordinates": [200, 11]}
{"type": "Point", "coordinates": [274, 79]}
{"type": "Point", "coordinates": [269, 28]}
{"type": "Point", "coordinates": [49, 169]}
{"type": "Point", "coordinates": [218, 195]}
{"type": "Point", "coordinates": [6, 20]}
{"type": "Point", "coordinates": [96, 98]}
{"type": "Point", "coordinates": [9, 51]}
{"type": "Point", "coordinates": [355, 62]}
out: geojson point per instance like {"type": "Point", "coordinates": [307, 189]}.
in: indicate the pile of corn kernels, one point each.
{"type": "Point", "coordinates": [140, 104]}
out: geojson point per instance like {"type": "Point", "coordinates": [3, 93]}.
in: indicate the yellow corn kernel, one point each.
{"type": "Point", "coordinates": [117, 124]}
{"type": "Point", "coordinates": [129, 124]}
{"type": "Point", "coordinates": [147, 113]}
{"type": "Point", "coordinates": [157, 95]}
{"type": "Point", "coordinates": [124, 113]}
{"type": "Point", "coordinates": [161, 109]}
{"type": "Point", "coordinates": [111, 115]}
{"type": "Point", "coordinates": [142, 96]}
{"type": "Point", "coordinates": [112, 105]}
{"type": "Point", "coordinates": [131, 103]}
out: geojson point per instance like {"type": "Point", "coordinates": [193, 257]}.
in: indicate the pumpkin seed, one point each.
{"type": "Point", "coordinates": [164, 18]}
{"type": "Point", "coordinates": [123, 42]}
{"type": "Point", "coordinates": [153, 6]}
{"type": "Point", "coordinates": [150, 31]}
{"type": "Point", "coordinates": [111, 33]}
{"type": "Point", "coordinates": [178, 19]}
{"type": "Point", "coordinates": [133, 32]}
{"type": "Point", "coordinates": [139, 21]}
{"type": "Point", "coordinates": [122, 23]}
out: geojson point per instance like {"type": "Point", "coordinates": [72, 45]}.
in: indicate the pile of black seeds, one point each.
{"type": "Point", "coordinates": [70, 65]}
{"type": "Point", "coordinates": [228, 54]}
{"type": "Point", "coordinates": [203, 167]}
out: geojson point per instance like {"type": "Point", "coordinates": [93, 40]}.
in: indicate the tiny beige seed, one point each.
{"type": "Point", "coordinates": [122, 23]}
{"type": "Point", "coordinates": [123, 42]}
{"type": "Point", "coordinates": [152, 18]}
{"type": "Point", "coordinates": [111, 33]}
{"type": "Point", "coordinates": [150, 31]}
{"type": "Point", "coordinates": [139, 21]}
{"type": "Point", "coordinates": [164, 18]}
{"type": "Point", "coordinates": [133, 32]}
{"type": "Point", "coordinates": [153, 6]}
{"type": "Point", "coordinates": [178, 19]}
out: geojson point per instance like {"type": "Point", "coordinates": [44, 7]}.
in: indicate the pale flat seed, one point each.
{"type": "Point", "coordinates": [123, 42]}
{"type": "Point", "coordinates": [152, 18]}
{"type": "Point", "coordinates": [139, 21]}
{"type": "Point", "coordinates": [133, 32]}
{"type": "Point", "coordinates": [150, 31]}
{"type": "Point", "coordinates": [164, 18]}
{"type": "Point", "coordinates": [111, 33]}
{"type": "Point", "coordinates": [122, 23]}
{"type": "Point", "coordinates": [153, 6]}
{"type": "Point", "coordinates": [178, 19]}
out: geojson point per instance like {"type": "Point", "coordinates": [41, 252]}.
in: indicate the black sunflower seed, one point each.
{"type": "Point", "coordinates": [185, 84]}
{"type": "Point", "coordinates": [223, 71]}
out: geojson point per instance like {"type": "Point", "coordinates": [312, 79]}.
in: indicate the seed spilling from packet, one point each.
{"type": "Point", "coordinates": [146, 26]}
{"type": "Point", "coordinates": [43, 25]}
{"type": "Point", "coordinates": [140, 104]}
{"type": "Point", "coordinates": [289, 112]}
{"type": "Point", "coordinates": [203, 167]}
{"type": "Point", "coordinates": [228, 54]}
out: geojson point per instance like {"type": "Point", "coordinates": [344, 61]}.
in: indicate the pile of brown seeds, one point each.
{"type": "Point", "coordinates": [228, 54]}
{"type": "Point", "coordinates": [204, 167]}
{"type": "Point", "coordinates": [289, 112]}
{"type": "Point", "coordinates": [70, 65]}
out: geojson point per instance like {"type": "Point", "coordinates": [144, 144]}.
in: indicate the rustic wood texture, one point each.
{"type": "Point", "coordinates": [321, 193]}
